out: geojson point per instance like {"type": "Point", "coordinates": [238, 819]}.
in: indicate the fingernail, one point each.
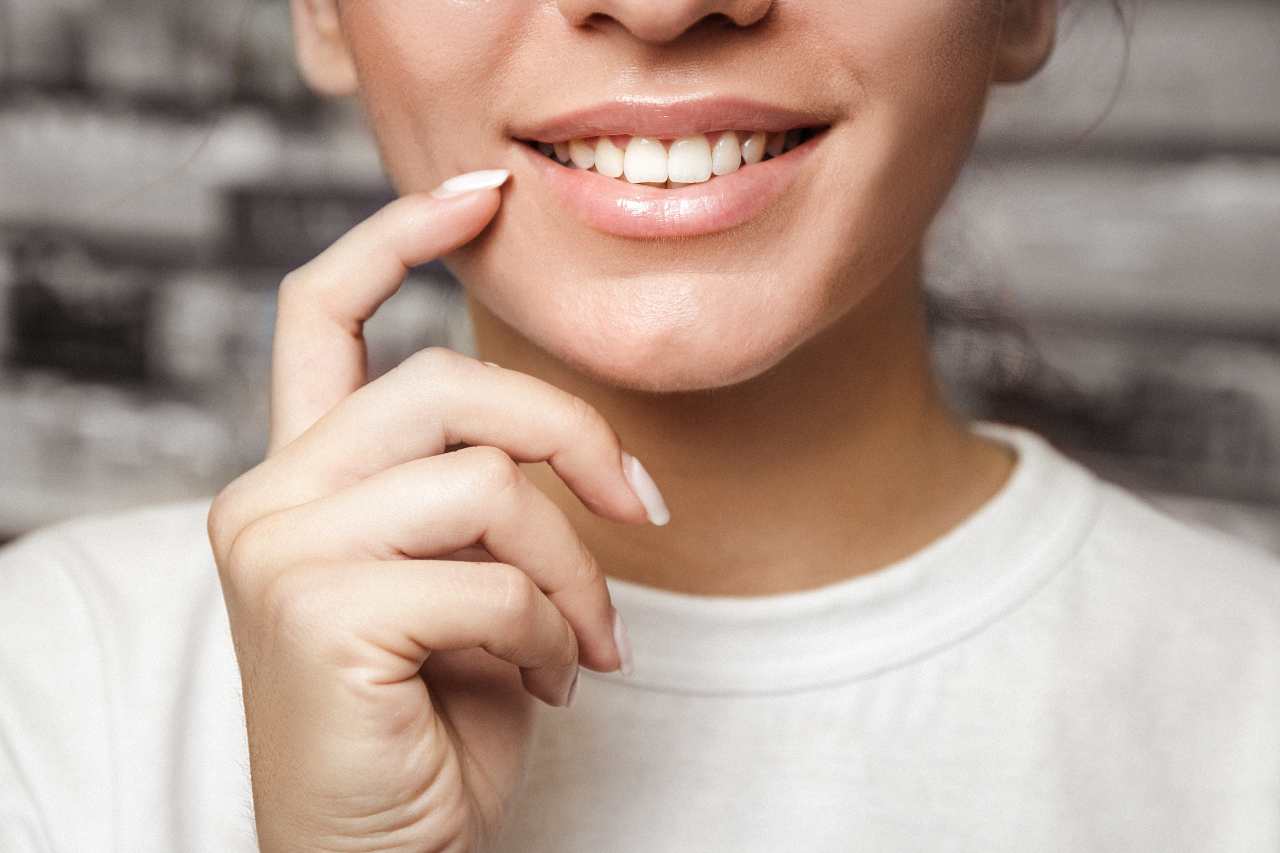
{"type": "Point", "coordinates": [573, 688]}
{"type": "Point", "coordinates": [646, 490]}
{"type": "Point", "coordinates": [623, 642]}
{"type": "Point", "coordinates": [490, 363]}
{"type": "Point", "coordinates": [469, 182]}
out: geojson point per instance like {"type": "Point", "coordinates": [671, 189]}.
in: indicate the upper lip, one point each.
{"type": "Point", "coordinates": [668, 118]}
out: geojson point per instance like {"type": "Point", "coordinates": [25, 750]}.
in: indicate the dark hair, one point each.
{"type": "Point", "coordinates": [1125, 13]}
{"type": "Point", "coordinates": [980, 311]}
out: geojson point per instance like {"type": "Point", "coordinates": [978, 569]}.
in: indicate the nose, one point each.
{"type": "Point", "coordinates": [659, 21]}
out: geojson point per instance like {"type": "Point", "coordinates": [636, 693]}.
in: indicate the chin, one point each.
{"type": "Point", "coordinates": [658, 333]}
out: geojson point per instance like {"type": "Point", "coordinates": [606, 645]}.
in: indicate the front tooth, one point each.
{"type": "Point", "coordinates": [753, 148]}
{"type": "Point", "coordinates": [582, 153]}
{"type": "Point", "coordinates": [645, 161]}
{"type": "Point", "coordinates": [609, 158]}
{"type": "Point", "coordinates": [776, 143]}
{"type": "Point", "coordinates": [726, 157]}
{"type": "Point", "coordinates": [562, 151]}
{"type": "Point", "coordinates": [689, 161]}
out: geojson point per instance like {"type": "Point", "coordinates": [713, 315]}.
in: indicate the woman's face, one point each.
{"type": "Point", "coordinates": [706, 284]}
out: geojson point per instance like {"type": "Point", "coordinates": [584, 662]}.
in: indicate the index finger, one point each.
{"type": "Point", "coordinates": [318, 354]}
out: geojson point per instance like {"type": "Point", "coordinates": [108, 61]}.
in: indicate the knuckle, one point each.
{"type": "Point", "coordinates": [567, 649]}
{"type": "Point", "coordinates": [221, 522]}
{"type": "Point", "coordinates": [518, 604]}
{"type": "Point", "coordinates": [587, 570]}
{"type": "Point", "coordinates": [582, 415]}
{"type": "Point", "coordinates": [247, 557]}
{"type": "Point", "coordinates": [433, 359]}
{"type": "Point", "coordinates": [517, 597]}
{"type": "Point", "coordinates": [216, 525]}
{"type": "Point", "coordinates": [586, 421]}
{"type": "Point", "coordinates": [495, 471]}
{"type": "Point", "coordinates": [292, 285]}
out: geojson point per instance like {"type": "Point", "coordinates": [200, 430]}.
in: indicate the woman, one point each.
{"type": "Point", "coordinates": [689, 233]}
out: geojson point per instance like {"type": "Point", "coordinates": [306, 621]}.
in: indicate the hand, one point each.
{"type": "Point", "coordinates": [386, 681]}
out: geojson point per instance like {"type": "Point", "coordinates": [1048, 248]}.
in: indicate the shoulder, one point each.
{"type": "Point", "coordinates": [110, 579]}
{"type": "Point", "coordinates": [122, 555]}
{"type": "Point", "coordinates": [106, 539]}
{"type": "Point", "coordinates": [1180, 558]}
{"type": "Point", "coordinates": [1120, 551]}
{"type": "Point", "coordinates": [1167, 589]}
{"type": "Point", "coordinates": [99, 617]}
{"type": "Point", "coordinates": [117, 580]}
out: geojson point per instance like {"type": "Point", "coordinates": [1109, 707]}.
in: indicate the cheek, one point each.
{"type": "Point", "coordinates": [421, 90]}
{"type": "Point", "coordinates": [927, 63]}
{"type": "Point", "coordinates": [922, 69]}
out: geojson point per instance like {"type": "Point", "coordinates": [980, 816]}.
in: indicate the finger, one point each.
{"type": "Point", "coordinates": [436, 506]}
{"type": "Point", "coordinates": [434, 399]}
{"type": "Point", "coordinates": [381, 619]}
{"type": "Point", "coordinates": [318, 352]}
{"type": "Point", "coordinates": [439, 397]}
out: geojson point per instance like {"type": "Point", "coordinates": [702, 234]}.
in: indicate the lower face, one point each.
{"type": "Point", "coordinates": [659, 285]}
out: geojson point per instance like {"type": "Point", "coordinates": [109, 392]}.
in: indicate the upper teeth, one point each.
{"type": "Point", "coordinates": [688, 160]}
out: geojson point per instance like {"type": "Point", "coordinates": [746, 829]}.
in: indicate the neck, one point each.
{"type": "Point", "coordinates": [841, 459]}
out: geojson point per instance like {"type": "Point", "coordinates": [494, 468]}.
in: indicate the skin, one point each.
{"type": "Point", "coordinates": [669, 345]}
{"type": "Point", "coordinates": [380, 589]}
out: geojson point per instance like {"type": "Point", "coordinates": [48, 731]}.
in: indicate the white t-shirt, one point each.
{"type": "Point", "coordinates": [1067, 670]}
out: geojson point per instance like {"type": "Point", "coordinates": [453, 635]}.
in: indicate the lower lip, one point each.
{"type": "Point", "coordinates": [614, 206]}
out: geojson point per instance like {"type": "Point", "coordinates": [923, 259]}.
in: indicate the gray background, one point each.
{"type": "Point", "coordinates": [161, 167]}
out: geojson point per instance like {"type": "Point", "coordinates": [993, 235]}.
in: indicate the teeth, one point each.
{"type": "Point", "coordinates": [582, 153]}
{"type": "Point", "coordinates": [609, 158]}
{"type": "Point", "coordinates": [688, 160]}
{"type": "Point", "coordinates": [726, 156]}
{"type": "Point", "coordinates": [645, 161]}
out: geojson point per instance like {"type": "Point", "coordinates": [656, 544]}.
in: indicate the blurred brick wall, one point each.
{"type": "Point", "coordinates": [161, 167]}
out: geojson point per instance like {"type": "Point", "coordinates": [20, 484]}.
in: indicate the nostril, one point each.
{"type": "Point", "coordinates": [653, 29]}
{"type": "Point", "coordinates": [716, 21]}
{"type": "Point", "coordinates": [664, 21]}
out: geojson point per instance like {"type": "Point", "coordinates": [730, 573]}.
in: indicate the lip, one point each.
{"type": "Point", "coordinates": [616, 207]}
{"type": "Point", "coordinates": [669, 118]}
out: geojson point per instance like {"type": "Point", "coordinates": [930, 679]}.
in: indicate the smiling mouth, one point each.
{"type": "Point", "coordinates": [674, 163]}
{"type": "Point", "coordinates": [672, 167]}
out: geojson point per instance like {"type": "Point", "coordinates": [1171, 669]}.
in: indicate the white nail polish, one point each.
{"type": "Point", "coordinates": [470, 182]}
{"type": "Point", "coordinates": [646, 490]}
{"type": "Point", "coordinates": [623, 642]}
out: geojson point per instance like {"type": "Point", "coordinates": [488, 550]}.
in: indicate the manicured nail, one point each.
{"type": "Point", "coordinates": [470, 182]}
{"type": "Point", "coordinates": [573, 688]}
{"type": "Point", "coordinates": [646, 490]}
{"type": "Point", "coordinates": [623, 642]}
